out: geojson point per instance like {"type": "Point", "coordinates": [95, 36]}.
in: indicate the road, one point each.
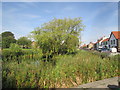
{"type": "Point", "coordinates": [106, 83]}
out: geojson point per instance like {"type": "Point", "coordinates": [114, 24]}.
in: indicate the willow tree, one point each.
{"type": "Point", "coordinates": [59, 36]}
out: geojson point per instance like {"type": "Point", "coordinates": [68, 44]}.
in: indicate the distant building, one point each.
{"type": "Point", "coordinates": [33, 45]}
{"type": "Point", "coordinates": [99, 43]}
{"type": "Point", "coordinates": [90, 45]}
{"type": "Point", "coordinates": [95, 46]}
{"type": "Point", "coordinates": [83, 46]}
{"type": "Point", "coordinates": [105, 43]}
{"type": "Point", "coordinates": [114, 40]}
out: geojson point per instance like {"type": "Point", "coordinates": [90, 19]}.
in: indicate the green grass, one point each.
{"type": "Point", "coordinates": [62, 72]}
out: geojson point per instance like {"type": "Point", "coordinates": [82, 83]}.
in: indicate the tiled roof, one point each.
{"type": "Point", "coordinates": [84, 45]}
{"type": "Point", "coordinates": [116, 34]}
{"type": "Point", "coordinates": [105, 39]}
{"type": "Point", "coordinates": [91, 43]}
{"type": "Point", "coordinates": [98, 41]}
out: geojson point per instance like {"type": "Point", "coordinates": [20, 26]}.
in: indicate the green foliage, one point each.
{"type": "Point", "coordinates": [69, 71]}
{"type": "Point", "coordinates": [11, 55]}
{"type": "Point", "coordinates": [7, 34]}
{"type": "Point", "coordinates": [58, 36]}
{"type": "Point", "coordinates": [15, 47]}
{"type": "Point", "coordinates": [49, 66]}
{"type": "Point", "coordinates": [0, 41]}
{"type": "Point", "coordinates": [15, 53]}
{"type": "Point", "coordinates": [7, 39]}
{"type": "Point", "coordinates": [102, 55]}
{"type": "Point", "coordinates": [25, 42]}
{"type": "Point", "coordinates": [116, 57]}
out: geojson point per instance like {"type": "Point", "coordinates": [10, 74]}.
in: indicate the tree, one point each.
{"type": "Point", "coordinates": [0, 41]}
{"type": "Point", "coordinates": [24, 42]}
{"type": "Point", "coordinates": [8, 33]}
{"type": "Point", "coordinates": [15, 47]}
{"type": "Point", "coordinates": [59, 35]}
{"type": "Point", "coordinates": [7, 39]}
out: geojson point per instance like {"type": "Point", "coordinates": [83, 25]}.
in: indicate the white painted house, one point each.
{"type": "Point", "coordinates": [114, 40]}
{"type": "Point", "coordinates": [105, 43]}
{"type": "Point", "coordinates": [99, 43]}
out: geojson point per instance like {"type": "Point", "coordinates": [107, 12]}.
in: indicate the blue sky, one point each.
{"type": "Point", "coordinates": [21, 18]}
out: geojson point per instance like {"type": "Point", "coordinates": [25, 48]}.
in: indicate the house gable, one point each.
{"type": "Point", "coordinates": [112, 40]}
{"type": "Point", "coordinates": [116, 34]}
{"type": "Point", "coordinates": [111, 35]}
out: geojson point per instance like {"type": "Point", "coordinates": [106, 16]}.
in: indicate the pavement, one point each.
{"type": "Point", "coordinates": [112, 54]}
{"type": "Point", "coordinates": [106, 83]}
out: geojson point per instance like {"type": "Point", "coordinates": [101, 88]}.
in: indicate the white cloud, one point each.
{"type": "Point", "coordinates": [31, 16]}
{"type": "Point", "coordinates": [27, 5]}
{"type": "Point", "coordinates": [18, 30]}
{"type": "Point", "coordinates": [12, 13]}
{"type": "Point", "coordinates": [15, 33]}
{"type": "Point", "coordinates": [47, 11]}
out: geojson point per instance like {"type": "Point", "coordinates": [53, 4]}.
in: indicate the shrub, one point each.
{"type": "Point", "coordinates": [116, 57]}
{"type": "Point", "coordinates": [14, 52]}
{"type": "Point", "coordinates": [15, 47]}
{"type": "Point", "coordinates": [69, 71]}
{"type": "Point", "coordinates": [18, 53]}
{"type": "Point", "coordinates": [102, 55]}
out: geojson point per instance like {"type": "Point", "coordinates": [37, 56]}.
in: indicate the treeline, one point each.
{"type": "Point", "coordinates": [8, 38]}
{"type": "Point", "coordinates": [57, 37]}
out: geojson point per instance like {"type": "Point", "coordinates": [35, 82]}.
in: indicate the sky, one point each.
{"type": "Point", "coordinates": [100, 18]}
{"type": "Point", "coordinates": [59, 0]}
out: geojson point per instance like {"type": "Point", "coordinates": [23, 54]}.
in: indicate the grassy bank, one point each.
{"type": "Point", "coordinates": [62, 72]}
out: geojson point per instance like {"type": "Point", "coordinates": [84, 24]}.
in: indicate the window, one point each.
{"type": "Point", "coordinates": [113, 41]}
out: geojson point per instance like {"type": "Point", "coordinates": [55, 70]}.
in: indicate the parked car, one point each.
{"type": "Point", "coordinates": [104, 50]}
{"type": "Point", "coordinates": [99, 49]}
